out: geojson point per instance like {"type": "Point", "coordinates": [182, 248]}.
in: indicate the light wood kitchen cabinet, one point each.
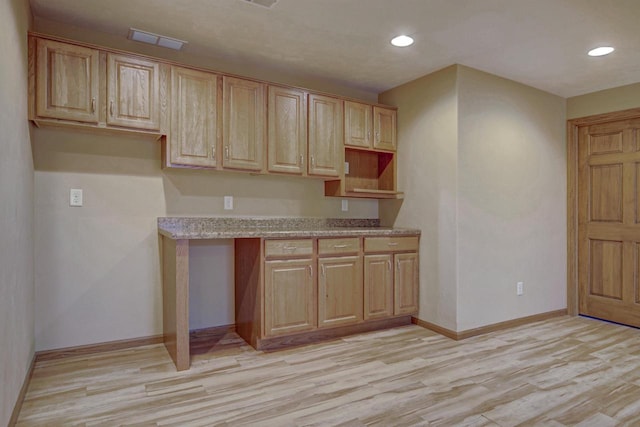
{"type": "Point", "coordinates": [358, 120]}
{"type": "Point", "coordinates": [339, 290]}
{"type": "Point", "coordinates": [405, 283]}
{"type": "Point", "coordinates": [369, 154]}
{"type": "Point", "coordinates": [289, 296]}
{"type": "Point", "coordinates": [287, 124]}
{"type": "Point", "coordinates": [325, 136]}
{"type": "Point", "coordinates": [244, 124]}
{"type": "Point", "coordinates": [401, 255]}
{"type": "Point", "coordinates": [67, 82]}
{"type": "Point", "coordinates": [378, 286]}
{"type": "Point", "coordinates": [194, 126]}
{"type": "Point", "coordinates": [384, 128]}
{"type": "Point", "coordinates": [299, 290]}
{"type": "Point", "coordinates": [133, 91]}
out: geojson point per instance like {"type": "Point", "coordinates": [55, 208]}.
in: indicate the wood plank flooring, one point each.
{"type": "Point", "coordinates": [562, 371]}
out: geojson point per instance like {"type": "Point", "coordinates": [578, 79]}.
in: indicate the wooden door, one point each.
{"type": "Point", "coordinates": [384, 127]}
{"type": "Point", "coordinates": [325, 136]}
{"type": "Point", "coordinates": [405, 283]}
{"type": "Point", "coordinates": [133, 91]}
{"type": "Point", "coordinates": [378, 286]}
{"type": "Point", "coordinates": [289, 297]}
{"type": "Point", "coordinates": [193, 133]}
{"type": "Point", "coordinates": [287, 124]}
{"type": "Point", "coordinates": [609, 221]}
{"type": "Point", "coordinates": [67, 82]}
{"type": "Point", "coordinates": [357, 124]}
{"type": "Point", "coordinates": [244, 119]}
{"type": "Point", "coordinates": [339, 291]}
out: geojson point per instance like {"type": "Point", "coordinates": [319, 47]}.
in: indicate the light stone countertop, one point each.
{"type": "Point", "coordinates": [243, 227]}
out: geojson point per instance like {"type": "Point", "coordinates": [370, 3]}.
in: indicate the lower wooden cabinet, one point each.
{"type": "Point", "coordinates": [339, 291]}
{"type": "Point", "coordinates": [299, 290]}
{"type": "Point", "coordinates": [289, 297]}
{"type": "Point", "coordinates": [378, 286]}
{"type": "Point", "coordinates": [405, 280]}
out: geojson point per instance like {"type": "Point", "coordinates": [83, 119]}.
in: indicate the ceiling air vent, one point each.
{"type": "Point", "coordinates": [263, 3]}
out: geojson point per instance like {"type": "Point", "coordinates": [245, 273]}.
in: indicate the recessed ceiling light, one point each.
{"type": "Point", "coordinates": [601, 51]}
{"type": "Point", "coordinates": [156, 39]}
{"type": "Point", "coordinates": [402, 41]}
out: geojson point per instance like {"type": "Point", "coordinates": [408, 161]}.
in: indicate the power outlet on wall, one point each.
{"type": "Point", "coordinates": [228, 203]}
{"type": "Point", "coordinates": [75, 197]}
{"type": "Point", "coordinates": [520, 288]}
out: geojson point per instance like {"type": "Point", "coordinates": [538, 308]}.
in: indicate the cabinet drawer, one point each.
{"type": "Point", "coordinates": [294, 247]}
{"type": "Point", "coordinates": [390, 244]}
{"type": "Point", "coordinates": [338, 246]}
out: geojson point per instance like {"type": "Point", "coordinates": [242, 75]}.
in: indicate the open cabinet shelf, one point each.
{"type": "Point", "coordinates": [371, 174]}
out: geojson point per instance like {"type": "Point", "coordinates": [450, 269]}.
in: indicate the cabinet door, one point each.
{"type": "Point", "coordinates": [378, 286]}
{"type": "Point", "coordinates": [357, 124]}
{"type": "Point", "coordinates": [325, 136]}
{"type": "Point", "coordinates": [67, 82]}
{"type": "Point", "coordinates": [287, 124]}
{"type": "Point", "coordinates": [289, 297]}
{"type": "Point", "coordinates": [244, 120]}
{"type": "Point", "coordinates": [406, 283]}
{"type": "Point", "coordinates": [384, 126]}
{"type": "Point", "coordinates": [339, 291]}
{"type": "Point", "coordinates": [133, 90]}
{"type": "Point", "coordinates": [193, 133]}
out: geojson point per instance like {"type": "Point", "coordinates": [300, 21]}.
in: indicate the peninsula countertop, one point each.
{"type": "Point", "coordinates": [243, 227]}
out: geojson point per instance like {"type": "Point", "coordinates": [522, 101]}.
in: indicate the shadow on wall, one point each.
{"type": "Point", "coordinates": [389, 210]}
{"type": "Point", "coordinates": [193, 192]}
{"type": "Point", "coordinates": [72, 150]}
{"type": "Point", "coordinates": [94, 159]}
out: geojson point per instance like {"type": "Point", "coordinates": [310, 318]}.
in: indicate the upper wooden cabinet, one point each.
{"type": "Point", "coordinates": [368, 126]}
{"type": "Point", "coordinates": [67, 82]}
{"type": "Point", "coordinates": [194, 131]}
{"type": "Point", "coordinates": [325, 136]}
{"type": "Point", "coordinates": [133, 90]}
{"type": "Point", "coordinates": [212, 120]}
{"type": "Point", "coordinates": [244, 124]}
{"type": "Point", "coordinates": [287, 123]}
{"type": "Point", "coordinates": [358, 122]}
{"type": "Point", "coordinates": [84, 87]}
{"type": "Point", "coordinates": [384, 128]}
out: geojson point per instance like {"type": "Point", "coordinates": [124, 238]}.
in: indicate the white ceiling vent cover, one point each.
{"type": "Point", "coordinates": [263, 3]}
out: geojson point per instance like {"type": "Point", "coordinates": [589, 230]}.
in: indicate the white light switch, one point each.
{"type": "Point", "coordinates": [345, 205]}
{"type": "Point", "coordinates": [228, 203]}
{"type": "Point", "coordinates": [75, 197]}
{"type": "Point", "coordinates": [346, 168]}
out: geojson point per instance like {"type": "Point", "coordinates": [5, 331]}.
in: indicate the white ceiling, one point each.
{"type": "Point", "coordinates": [541, 43]}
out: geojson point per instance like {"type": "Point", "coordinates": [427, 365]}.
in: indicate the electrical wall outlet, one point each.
{"type": "Point", "coordinates": [228, 203]}
{"type": "Point", "coordinates": [520, 288]}
{"type": "Point", "coordinates": [75, 197]}
{"type": "Point", "coordinates": [345, 205]}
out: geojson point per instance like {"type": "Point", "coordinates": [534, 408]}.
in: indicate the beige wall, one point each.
{"type": "Point", "coordinates": [483, 169]}
{"type": "Point", "coordinates": [604, 101]}
{"type": "Point", "coordinates": [16, 208]}
{"type": "Point", "coordinates": [427, 173]}
{"type": "Point", "coordinates": [511, 200]}
{"type": "Point", "coordinates": [97, 268]}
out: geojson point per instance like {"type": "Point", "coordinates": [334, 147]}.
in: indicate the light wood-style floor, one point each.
{"type": "Point", "coordinates": [564, 371]}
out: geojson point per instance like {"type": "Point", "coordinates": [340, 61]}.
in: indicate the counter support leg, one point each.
{"type": "Point", "coordinates": [175, 300]}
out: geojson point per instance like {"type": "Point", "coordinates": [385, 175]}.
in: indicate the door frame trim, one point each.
{"type": "Point", "coordinates": [572, 195]}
